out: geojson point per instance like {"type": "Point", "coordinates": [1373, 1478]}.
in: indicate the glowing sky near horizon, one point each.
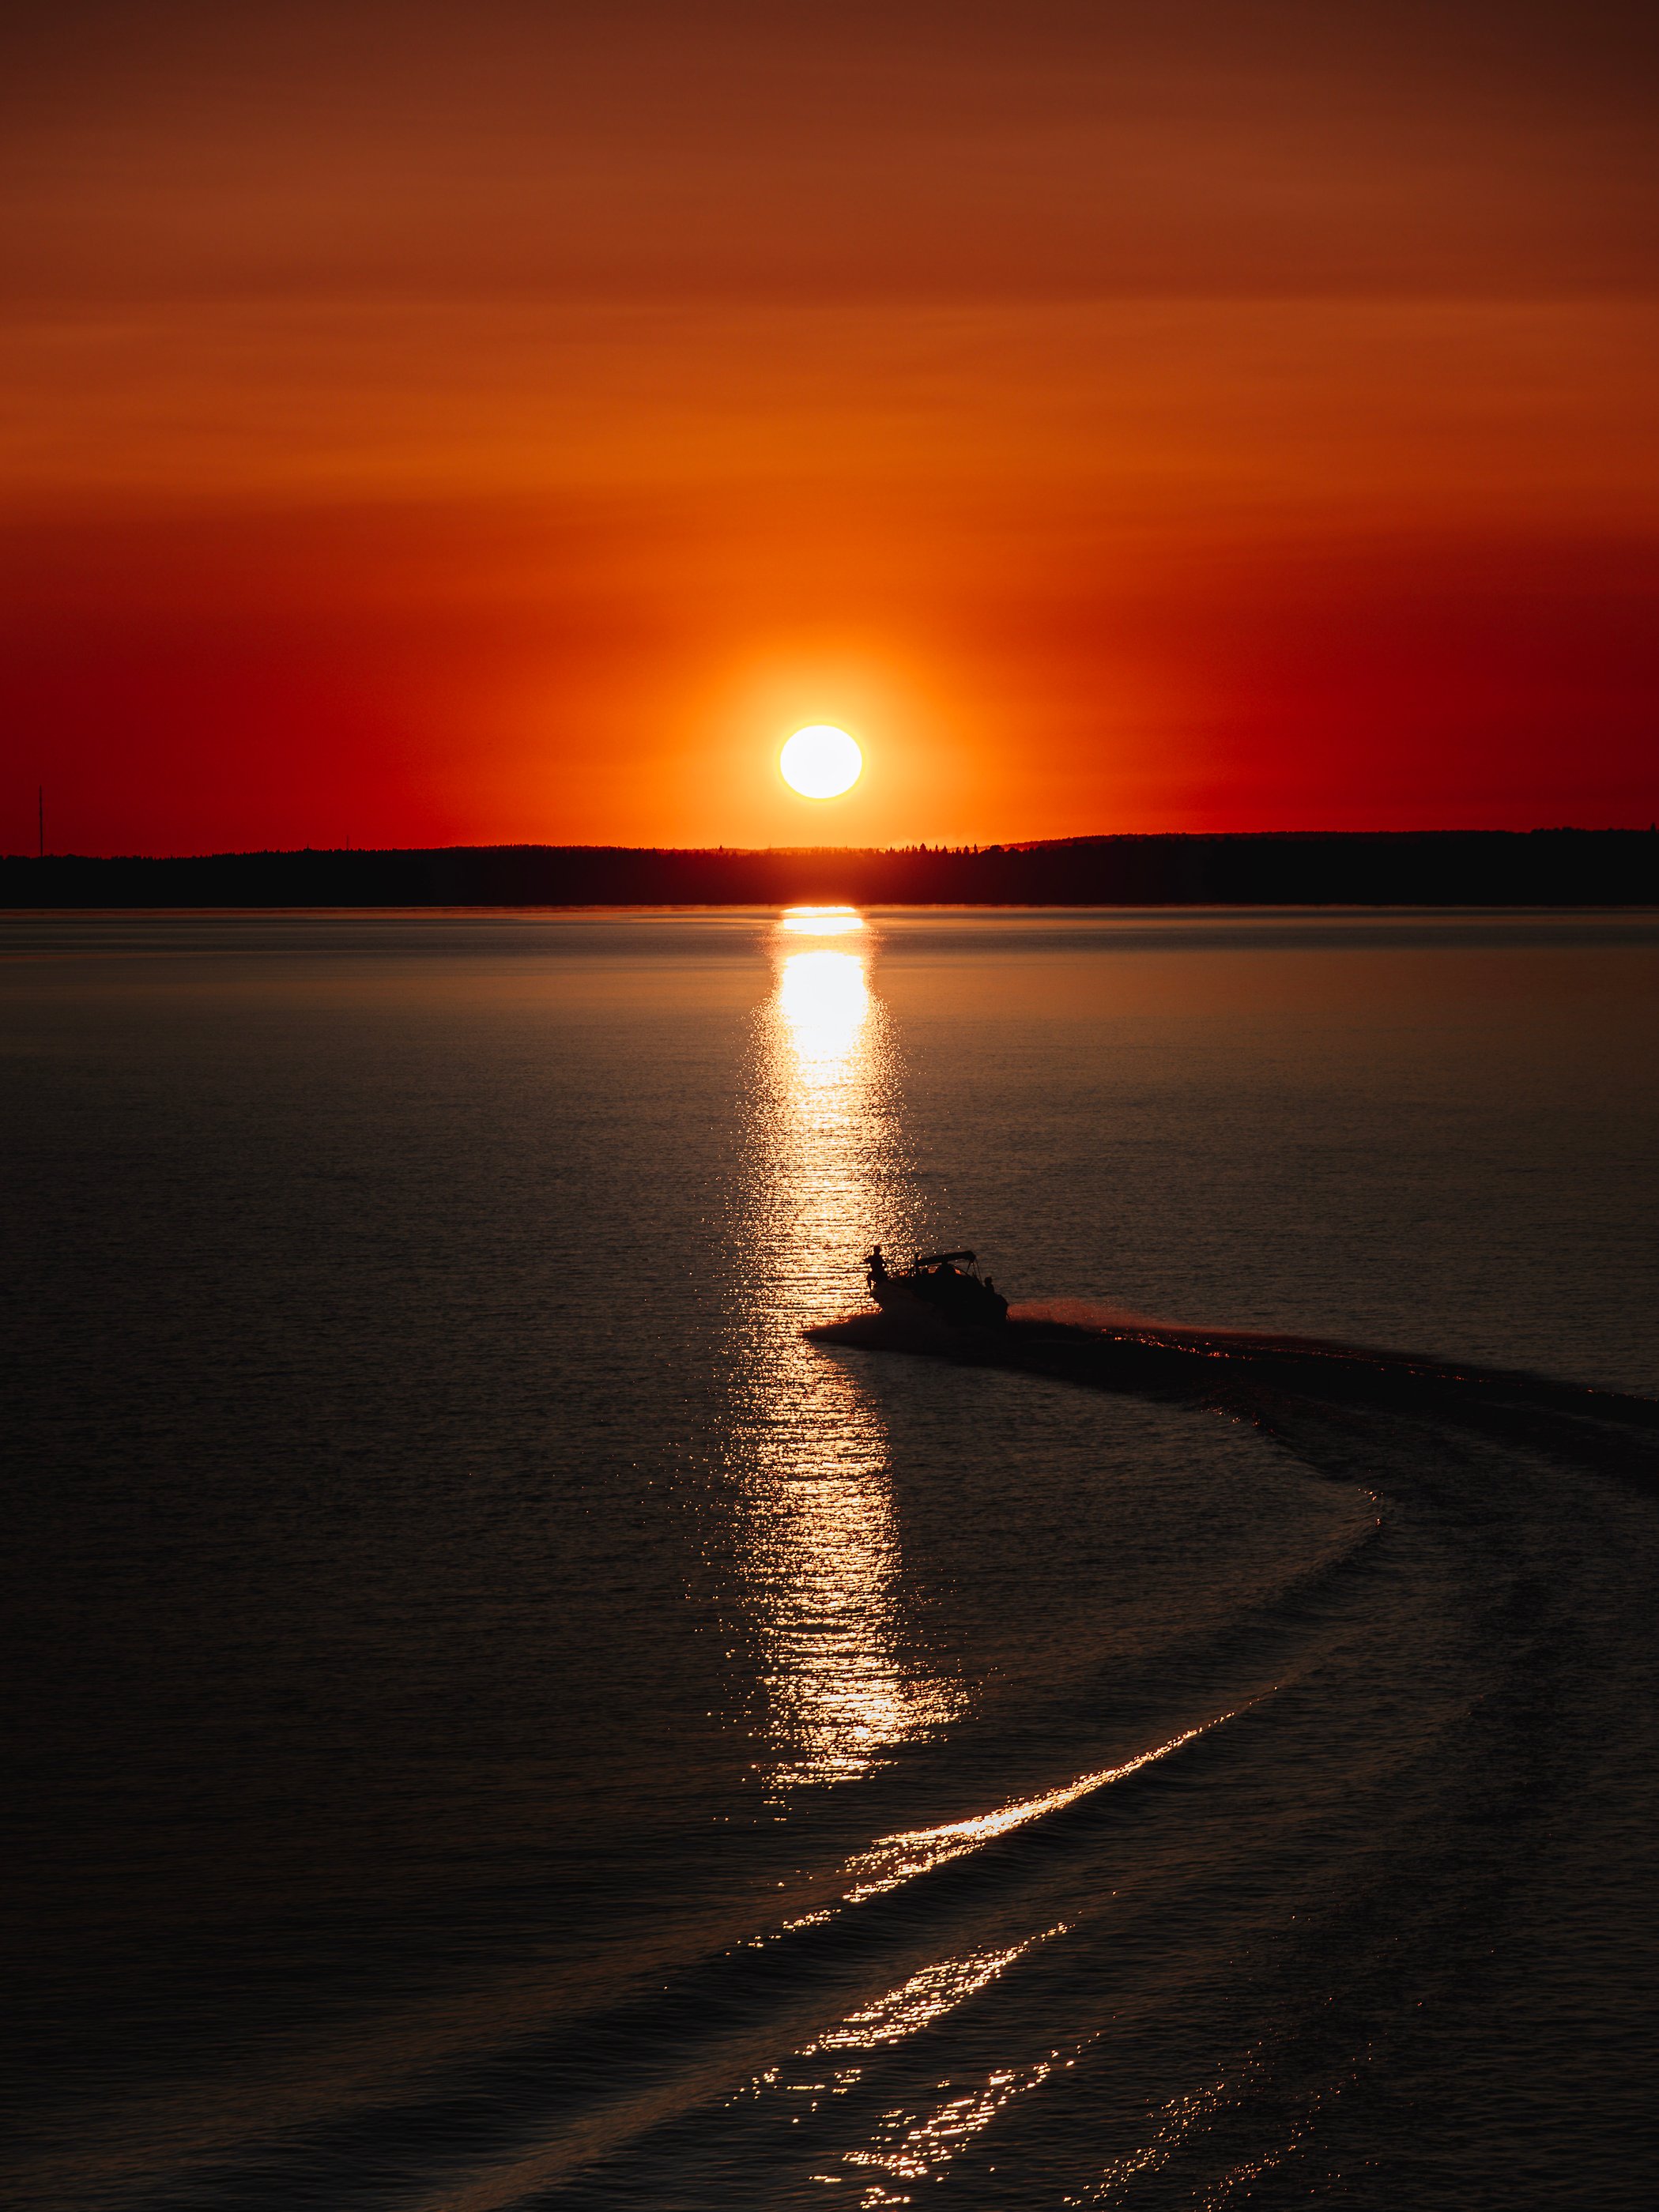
{"type": "Point", "coordinates": [434, 425]}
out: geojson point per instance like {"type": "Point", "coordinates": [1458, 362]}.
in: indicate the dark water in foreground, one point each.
{"type": "Point", "coordinates": [500, 1720]}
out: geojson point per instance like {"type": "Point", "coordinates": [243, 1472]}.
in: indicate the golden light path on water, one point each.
{"type": "Point", "coordinates": [818, 1543]}
{"type": "Point", "coordinates": [821, 921]}
{"type": "Point", "coordinates": [819, 1538]}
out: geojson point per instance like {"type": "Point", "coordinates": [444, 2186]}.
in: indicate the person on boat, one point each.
{"type": "Point", "coordinates": [877, 1267]}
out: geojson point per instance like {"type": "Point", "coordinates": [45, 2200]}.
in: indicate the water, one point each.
{"type": "Point", "coordinates": [501, 1720]}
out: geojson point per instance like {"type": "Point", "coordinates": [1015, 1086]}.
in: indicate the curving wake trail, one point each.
{"type": "Point", "coordinates": [1260, 1375]}
{"type": "Point", "coordinates": [1453, 1776]}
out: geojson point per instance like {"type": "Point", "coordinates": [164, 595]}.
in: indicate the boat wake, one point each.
{"type": "Point", "coordinates": [1462, 1739]}
{"type": "Point", "coordinates": [1259, 1375]}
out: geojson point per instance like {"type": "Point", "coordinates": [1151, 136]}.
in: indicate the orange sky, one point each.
{"type": "Point", "coordinates": [442, 424]}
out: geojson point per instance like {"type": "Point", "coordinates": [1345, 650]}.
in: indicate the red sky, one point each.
{"type": "Point", "coordinates": [433, 424]}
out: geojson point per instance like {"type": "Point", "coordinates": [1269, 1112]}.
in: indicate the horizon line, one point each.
{"type": "Point", "coordinates": [896, 851]}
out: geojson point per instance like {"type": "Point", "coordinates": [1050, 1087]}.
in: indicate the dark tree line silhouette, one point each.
{"type": "Point", "coordinates": [1449, 867]}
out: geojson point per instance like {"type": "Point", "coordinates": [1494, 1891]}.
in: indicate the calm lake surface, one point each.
{"type": "Point", "coordinates": [500, 1720]}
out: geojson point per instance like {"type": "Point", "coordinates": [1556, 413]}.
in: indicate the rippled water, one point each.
{"type": "Point", "coordinates": [502, 1719]}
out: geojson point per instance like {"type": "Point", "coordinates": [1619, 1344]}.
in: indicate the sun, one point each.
{"type": "Point", "coordinates": [820, 762]}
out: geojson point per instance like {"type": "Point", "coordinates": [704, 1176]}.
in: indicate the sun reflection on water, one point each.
{"type": "Point", "coordinates": [823, 999]}
{"type": "Point", "coordinates": [819, 1542]}
{"type": "Point", "coordinates": [821, 921]}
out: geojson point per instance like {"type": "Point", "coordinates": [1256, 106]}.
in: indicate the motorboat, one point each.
{"type": "Point", "coordinates": [945, 1285]}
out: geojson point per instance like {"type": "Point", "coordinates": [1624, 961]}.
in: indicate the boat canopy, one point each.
{"type": "Point", "coordinates": [936, 1259]}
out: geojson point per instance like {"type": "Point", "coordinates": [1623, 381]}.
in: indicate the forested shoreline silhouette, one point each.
{"type": "Point", "coordinates": [1444, 867]}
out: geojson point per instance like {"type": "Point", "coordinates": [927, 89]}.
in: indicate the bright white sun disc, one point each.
{"type": "Point", "coordinates": [821, 762]}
